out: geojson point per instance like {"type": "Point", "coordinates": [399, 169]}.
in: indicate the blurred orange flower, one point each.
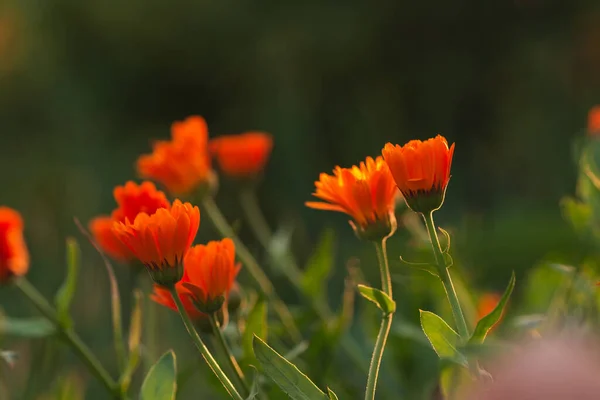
{"type": "Point", "coordinates": [209, 274]}
{"type": "Point", "coordinates": [487, 303]}
{"type": "Point", "coordinates": [182, 163]}
{"type": "Point", "coordinates": [594, 121]}
{"type": "Point", "coordinates": [161, 240]}
{"type": "Point", "coordinates": [131, 199]}
{"type": "Point", "coordinates": [421, 170]}
{"type": "Point", "coordinates": [366, 193]}
{"type": "Point", "coordinates": [14, 257]}
{"type": "Point", "coordinates": [243, 155]}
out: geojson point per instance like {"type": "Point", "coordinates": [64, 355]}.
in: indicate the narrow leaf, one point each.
{"type": "Point", "coordinates": [486, 323]}
{"type": "Point", "coordinates": [285, 374]}
{"type": "Point", "coordinates": [319, 266]}
{"type": "Point", "coordinates": [381, 299]}
{"type": "Point", "coordinates": [254, 388]}
{"type": "Point", "coordinates": [135, 334]}
{"type": "Point", "coordinates": [65, 294]}
{"type": "Point", "coordinates": [161, 381]}
{"type": "Point", "coordinates": [256, 324]}
{"type": "Point", "coordinates": [442, 337]}
{"type": "Point", "coordinates": [427, 267]}
{"type": "Point", "coordinates": [34, 327]}
{"type": "Point", "coordinates": [331, 394]}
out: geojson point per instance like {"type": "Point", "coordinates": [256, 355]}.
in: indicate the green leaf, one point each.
{"type": "Point", "coordinates": [443, 339]}
{"type": "Point", "coordinates": [254, 388]}
{"type": "Point", "coordinates": [446, 246]}
{"type": "Point", "coordinates": [381, 299]}
{"type": "Point", "coordinates": [427, 267]}
{"type": "Point", "coordinates": [35, 327]}
{"type": "Point", "coordinates": [161, 381]}
{"type": "Point", "coordinates": [486, 323]}
{"type": "Point", "coordinates": [319, 266]}
{"type": "Point", "coordinates": [285, 374]}
{"type": "Point", "coordinates": [578, 214]}
{"type": "Point", "coordinates": [256, 324]}
{"type": "Point", "coordinates": [331, 394]}
{"type": "Point", "coordinates": [135, 334]}
{"type": "Point", "coordinates": [65, 294]}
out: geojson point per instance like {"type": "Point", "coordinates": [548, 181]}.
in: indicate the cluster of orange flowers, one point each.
{"type": "Point", "coordinates": [145, 227]}
{"type": "Point", "coordinates": [420, 170]}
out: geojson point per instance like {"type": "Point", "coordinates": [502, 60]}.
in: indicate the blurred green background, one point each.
{"type": "Point", "coordinates": [86, 85]}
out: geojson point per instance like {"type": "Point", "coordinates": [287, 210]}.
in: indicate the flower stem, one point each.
{"type": "Point", "coordinates": [386, 322]}
{"type": "Point", "coordinates": [226, 350]}
{"type": "Point", "coordinates": [444, 274]}
{"type": "Point", "coordinates": [210, 360]}
{"type": "Point", "coordinates": [291, 270]}
{"type": "Point", "coordinates": [265, 285]}
{"type": "Point", "coordinates": [70, 337]}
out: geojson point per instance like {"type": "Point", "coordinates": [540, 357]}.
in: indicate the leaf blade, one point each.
{"type": "Point", "coordinates": [285, 374]}
{"type": "Point", "coordinates": [486, 323]}
{"type": "Point", "coordinates": [161, 381]}
{"type": "Point", "coordinates": [442, 337]}
{"type": "Point", "coordinates": [65, 294]}
{"type": "Point", "coordinates": [379, 298]}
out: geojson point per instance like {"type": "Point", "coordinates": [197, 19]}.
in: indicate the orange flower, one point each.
{"type": "Point", "coordinates": [182, 163]}
{"type": "Point", "coordinates": [366, 193]}
{"type": "Point", "coordinates": [242, 155]}
{"type": "Point", "coordinates": [161, 240]}
{"type": "Point", "coordinates": [421, 171]}
{"type": "Point", "coordinates": [209, 274]}
{"type": "Point", "coordinates": [14, 258]}
{"type": "Point", "coordinates": [594, 121]}
{"type": "Point", "coordinates": [131, 199]}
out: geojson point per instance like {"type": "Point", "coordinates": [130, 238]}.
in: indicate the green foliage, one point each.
{"type": "Point", "coordinates": [443, 338]}
{"type": "Point", "coordinates": [256, 324]}
{"type": "Point", "coordinates": [379, 298]}
{"type": "Point", "coordinates": [331, 394]}
{"type": "Point", "coordinates": [319, 267]}
{"type": "Point", "coordinates": [161, 381]}
{"type": "Point", "coordinates": [32, 327]}
{"type": "Point", "coordinates": [65, 294]}
{"type": "Point", "coordinates": [285, 374]}
{"type": "Point", "coordinates": [487, 322]}
{"type": "Point", "coordinates": [135, 335]}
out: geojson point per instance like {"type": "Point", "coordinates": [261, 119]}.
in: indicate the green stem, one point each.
{"type": "Point", "coordinates": [386, 322]}
{"type": "Point", "coordinates": [226, 350]}
{"type": "Point", "coordinates": [291, 270]}
{"type": "Point", "coordinates": [70, 337]}
{"type": "Point", "coordinates": [440, 260]}
{"type": "Point", "coordinates": [210, 360]}
{"type": "Point", "coordinates": [265, 285]}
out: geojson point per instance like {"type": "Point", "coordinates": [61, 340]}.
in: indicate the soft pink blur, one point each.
{"type": "Point", "coordinates": [565, 368]}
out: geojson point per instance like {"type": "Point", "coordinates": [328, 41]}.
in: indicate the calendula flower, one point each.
{"type": "Point", "coordinates": [421, 170]}
{"type": "Point", "coordinates": [131, 199]}
{"type": "Point", "coordinates": [243, 155]}
{"type": "Point", "coordinates": [161, 240]}
{"type": "Point", "coordinates": [365, 192]}
{"type": "Point", "coordinates": [209, 275]}
{"type": "Point", "coordinates": [183, 163]}
{"type": "Point", "coordinates": [594, 121]}
{"type": "Point", "coordinates": [14, 258]}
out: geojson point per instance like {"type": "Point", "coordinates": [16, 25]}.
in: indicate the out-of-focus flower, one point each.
{"type": "Point", "coordinates": [131, 199]}
{"type": "Point", "coordinates": [14, 257]}
{"type": "Point", "coordinates": [421, 170]}
{"type": "Point", "coordinates": [365, 192]}
{"type": "Point", "coordinates": [209, 275]}
{"type": "Point", "coordinates": [161, 240]}
{"type": "Point", "coordinates": [487, 303]}
{"type": "Point", "coordinates": [594, 121]}
{"type": "Point", "coordinates": [243, 155]}
{"type": "Point", "coordinates": [183, 163]}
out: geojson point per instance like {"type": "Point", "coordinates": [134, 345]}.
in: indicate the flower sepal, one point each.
{"type": "Point", "coordinates": [377, 230]}
{"type": "Point", "coordinates": [166, 276]}
{"type": "Point", "coordinates": [425, 202]}
{"type": "Point", "coordinates": [202, 301]}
